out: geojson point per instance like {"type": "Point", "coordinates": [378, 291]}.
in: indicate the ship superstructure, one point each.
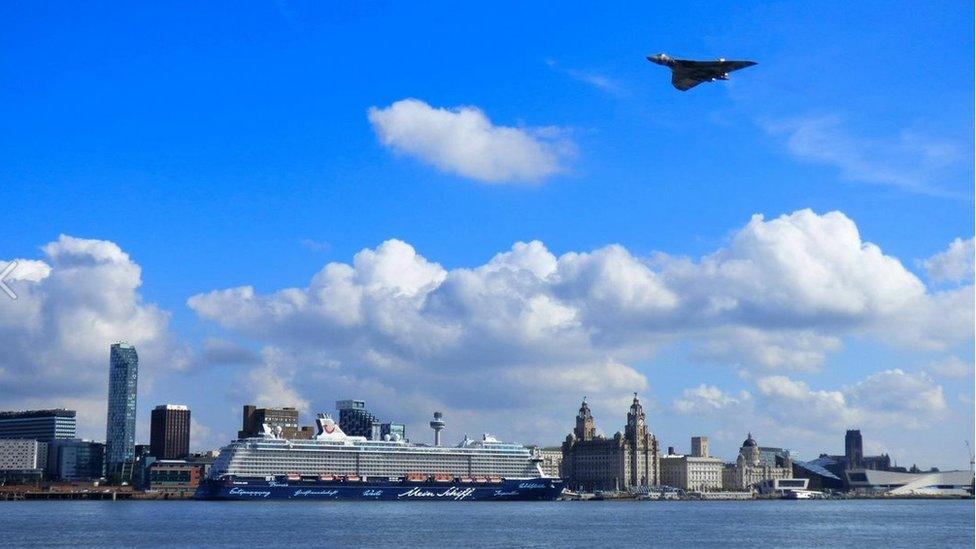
{"type": "Point", "coordinates": [337, 466]}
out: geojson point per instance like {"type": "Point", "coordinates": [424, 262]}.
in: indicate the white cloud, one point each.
{"type": "Point", "coordinates": [780, 296]}
{"type": "Point", "coordinates": [956, 264]}
{"type": "Point", "coordinates": [887, 398]}
{"type": "Point", "coordinates": [706, 399]}
{"type": "Point", "coordinates": [889, 406]}
{"type": "Point", "coordinates": [595, 79]}
{"type": "Point", "coordinates": [273, 384]}
{"type": "Point", "coordinates": [464, 141]}
{"type": "Point", "coordinates": [950, 367]}
{"type": "Point", "coordinates": [909, 161]}
{"type": "Point", "coordinates": [796, 402]}
{"type": "Point", "coordinates": [800, 350]}
{"type": "Point", "coordinates": [55, 337]}
{"type": "Point", "coordinates": [203, 437]}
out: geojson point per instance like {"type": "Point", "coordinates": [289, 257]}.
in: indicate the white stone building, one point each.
{"type": "Point", "coordinates": [552, 460]}
{"type": "Point", "coordinates": [702, 474]}
{"type": "Point", "coordinates": [696, 472]}
{"type": "Point", "coordinates": [749, 470]}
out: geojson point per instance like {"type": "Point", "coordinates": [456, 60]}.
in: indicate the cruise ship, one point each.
{"type": "Point", "coordinates": [335, 466]}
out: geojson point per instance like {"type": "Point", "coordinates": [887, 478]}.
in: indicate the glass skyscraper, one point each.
{"type": "Point", "coordinates": [120, 432]}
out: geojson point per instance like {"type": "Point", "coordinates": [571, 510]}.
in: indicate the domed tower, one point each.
{"type": "Point", "coordinates": [750, 450]}
{"type": "Point", "coordinates": [585, 426]}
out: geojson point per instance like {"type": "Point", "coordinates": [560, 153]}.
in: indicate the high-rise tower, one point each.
{"type": "Point", "coordinates": [120, 431]}
{"type": "Point", "coordinates": [169, 432]}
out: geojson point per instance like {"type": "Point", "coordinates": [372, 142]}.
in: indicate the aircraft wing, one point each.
{"type": "Point", "coordinates": [688, 74]}
{"type": "Point", "coordinates": [729, 66]}
{"type": "Point", "coordinates": [719, 65]}
{"type": "Point", "coordinates": [684, 80]}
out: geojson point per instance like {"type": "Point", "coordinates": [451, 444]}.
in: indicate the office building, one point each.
{"type": "Point", "coordinates": [749, 470]}
{"type": "Point", "coordinates": [281, 422]}
{"type": "Point", "coordinates": [550, 459]}
{"type": "Point", "coordinates": [75, 460]}
{"type": "Point", "coordinates": [22, 460]}
{"type": "Point", "coordinates": [169, 432]}
{"type": "Point", "coordinates": [356, 420]}
{"type": "Point", "coordinates": [695, 472]}
{"type": "Point", "coordinates": [628, 460]}
{"type": "Point", "coordinates": [174, 478]}
{"type": "Point", "coordinates": [776, 457]}
{"type": "Point", "coordinates": [120, 432]}
{"type": "Point", "coordinates": [43, 425]}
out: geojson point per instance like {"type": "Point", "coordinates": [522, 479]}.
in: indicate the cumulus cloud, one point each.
{"type": "Point", "coordinates": [956, 264]}
{"type": "Point", "coordinates": [783, 396]}
{"type": "Point", "coordinates": [780, 296]}
{"type": "Point", "coordinates": [909, 161]}
{"type": "Point", "coordinates": [781, 410]}
{"type": "Point", "coordinates": [800, 350]}
{"type": "Point", "coordinates": [887, 398]}
{"type": "Point", "coordinates": [706, 399]}
{"type": "Point", "coordinates": [464, 141]}
{"type": "Point", "coordinates": [82, 297]}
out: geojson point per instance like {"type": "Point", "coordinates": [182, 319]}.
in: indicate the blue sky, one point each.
{"type": "Point", "coordinates": [229, 145]}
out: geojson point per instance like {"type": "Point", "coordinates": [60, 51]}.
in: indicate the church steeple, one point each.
{"type": "Point", "coordinates": [585, 427]}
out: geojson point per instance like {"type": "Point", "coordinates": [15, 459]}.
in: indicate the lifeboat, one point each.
{"type": "Point", "coordinates": [416, 477]}
{"type": "Point", "coordinates": [326, 478]}
{"type": "Point", "coordinates": [467, 479]}
{"type": "Point", "coordinates": [443, 478]}
{"type": "Point", "coordinates": [495, 480]}
{"type": "Point", "coordinates": [352, 478]}
{"type": "Point", "coordinates": [293, 476]}
{"type": "Point", "coordinates": [480, 480]}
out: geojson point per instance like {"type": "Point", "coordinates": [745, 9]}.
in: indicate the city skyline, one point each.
{"type": "Point", "coordinates": [494, 228]}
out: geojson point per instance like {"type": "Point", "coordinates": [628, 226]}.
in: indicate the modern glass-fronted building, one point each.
{"type": "Point", "coordinates": [73, 460]}
{"type": "Point", "coordinates": [356, 420]}
{"type": "Point", "coordinates": [42, 425]}
{"type": "Point", "coordinates": [120, 432]}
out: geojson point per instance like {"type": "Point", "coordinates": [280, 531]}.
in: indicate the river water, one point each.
{"type": "Point", "coordinates": [850, 523]}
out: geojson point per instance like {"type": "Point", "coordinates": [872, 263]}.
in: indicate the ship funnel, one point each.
{"type": "Point", "coordinates": [437, 425]}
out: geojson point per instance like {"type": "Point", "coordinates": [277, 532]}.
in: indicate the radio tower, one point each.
{"type": "Point", "coordinates": [437, 425]}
